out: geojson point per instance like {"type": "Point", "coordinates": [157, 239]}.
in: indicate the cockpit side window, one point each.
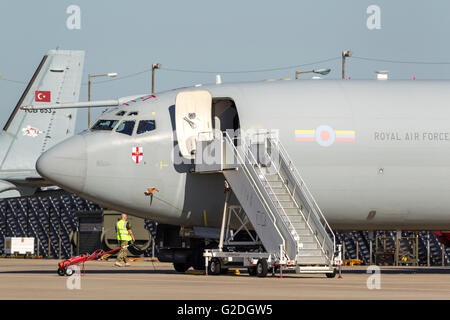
{"type": "Point", "coordinates": [132, 113]}
{"type": "Point", "coordinates": [121, 113]}
{"type": "Point", "coordinates": [103, 124]}
{"type": "Point", "coordinates": [126, 127]}
{"type": "Point", "coordinates": [145, 126]}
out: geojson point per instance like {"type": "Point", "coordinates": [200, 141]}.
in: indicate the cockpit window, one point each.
{"type": "Point", "coordinates": [133, 113]}
{"type": "Point", "coordinates": [146, 125]}
{"type": "Point", "coordinates": [121, 113]}
{"type": "Point", "coordinates": [126, 127]}
{"type": "Point", "coordinates": [104, 125]}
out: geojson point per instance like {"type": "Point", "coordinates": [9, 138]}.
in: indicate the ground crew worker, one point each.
{"type": "Point", "coordinates": [124, 235]}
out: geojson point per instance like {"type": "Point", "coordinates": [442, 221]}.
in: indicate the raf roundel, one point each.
{"type": "Point", "coordinates": [325, 136]}
{"type": "Point", "coordinates": [137, 154]}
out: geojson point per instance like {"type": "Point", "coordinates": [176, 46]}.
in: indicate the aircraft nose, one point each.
{"type": "Point", "coordinates": [65, 164]}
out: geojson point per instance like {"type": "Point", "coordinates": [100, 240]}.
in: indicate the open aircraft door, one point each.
{"type": "Point", "coordinates": [193, 120]}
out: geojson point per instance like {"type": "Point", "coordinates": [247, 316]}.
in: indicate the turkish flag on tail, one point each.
{"type": "Point", "coordinates": [42, 96]}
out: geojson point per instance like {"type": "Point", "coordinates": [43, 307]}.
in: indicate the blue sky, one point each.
{"type": "Point", "coordinates": [128, 36]}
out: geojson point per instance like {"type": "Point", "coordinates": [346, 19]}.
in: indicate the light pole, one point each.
{"type": "Point", "coordinates": [154, 66]}
{"type": "Point", "coordinates": [90, 76]}
{"type": "Point", "coordinates": [345, 54]}
{"type": "Point", "coordinates": [323, 72]}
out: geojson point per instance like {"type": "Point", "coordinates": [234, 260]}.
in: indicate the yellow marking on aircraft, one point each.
{"type": "Point", "coordinates": [305, 131]}
{"type": "Point", "coordinates": [344, 132]}
{"type": "Point", "coordinates": [161, 165]}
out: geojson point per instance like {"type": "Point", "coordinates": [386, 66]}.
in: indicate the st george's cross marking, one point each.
{"type": "Point", "coordinates": [137, 154]}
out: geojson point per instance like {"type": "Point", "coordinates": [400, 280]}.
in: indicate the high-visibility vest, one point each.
{"type": "Point", "coordinates": [122, 232]}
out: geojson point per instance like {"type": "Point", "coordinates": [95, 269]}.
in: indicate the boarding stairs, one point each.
{"type": "Point", "coordinates": [276, 200]}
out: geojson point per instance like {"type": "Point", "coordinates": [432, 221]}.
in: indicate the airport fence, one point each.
{"type": "Point", "coordinates": [50, 219]}
{"type": "Point", "coordinates": [413, 248]}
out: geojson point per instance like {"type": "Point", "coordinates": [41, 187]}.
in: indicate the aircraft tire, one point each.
{"type": "Point", "coordinates": [181, 267]}
{"type": "Point", "coordinates": [331, 275]}
{"type": "Point", "coordinates": [252, 271]}
{"type": "Point", "coordinates": [214, 266]}
{"type": "Point", "coordinates": [261, 268]}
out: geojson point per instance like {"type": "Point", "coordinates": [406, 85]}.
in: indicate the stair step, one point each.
{"type": "Point", "coordinates": [272, 177]}
{"type": "Point", "coordinates": [294, 219]}
{"type": "Point", "coordinates": [308, 252]}
{"type": "Point", "coordinates": [308, 245]}
{"type": "Point", "coordinates": [285, 204]}
{"type": "Point", "coordinates": [290, 211]}
{"type": "Point", "coordinates": [304, 238]}
{"type": "Point", "coordinates": [299, 225]}
{"type": "Point", "coordinates": [280, 196]}
{"type": "Point", "coordinates": [312, 260]}
{"type": "Point", "coordinates": [283, 201]}
{"type": "Point", "coordinates": [303, 232]}
{"type": "Point", "coordinates": [275, 189]}
{"type": "Point", "coordinates": [274, 184]}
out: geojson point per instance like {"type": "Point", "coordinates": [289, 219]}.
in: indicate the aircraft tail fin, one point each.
{"type": "Point", "coordinates": [29, 133]}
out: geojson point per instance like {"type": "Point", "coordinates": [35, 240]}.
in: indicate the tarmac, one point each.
{"type": "Point", "coordinates": [27, 279]}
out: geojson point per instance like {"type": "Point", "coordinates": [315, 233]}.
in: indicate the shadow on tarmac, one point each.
{"type": "Point", "coordinates": [115, 271]}
{"type": "Point", "coordinates": [403, 270]}
{"type": "Point", "coordinates": [191, 272]}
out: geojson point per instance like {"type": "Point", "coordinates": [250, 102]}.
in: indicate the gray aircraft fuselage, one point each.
{"type": "Point", "coordinates": [375, 154]}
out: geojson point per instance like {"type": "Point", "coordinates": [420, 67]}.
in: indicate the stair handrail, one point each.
{"type": "Point", "coordinates": [309, 196]}
{"type": "Point", "coordinates": [274, 217]}
{"type": "Point", "coordinates": [330, 255]}
{"type": "Point", "coordinates": [292, 231]}
{"type": "Point", "coordinates": [305, 219]}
